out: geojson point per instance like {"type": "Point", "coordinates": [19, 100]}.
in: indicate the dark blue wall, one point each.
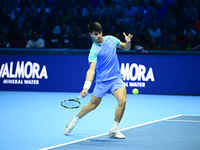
{"type": "Point", "coordinates": [151, 73]}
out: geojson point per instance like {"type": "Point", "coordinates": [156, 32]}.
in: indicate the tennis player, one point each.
{"type": "Point", "coordinates": [103, 59]}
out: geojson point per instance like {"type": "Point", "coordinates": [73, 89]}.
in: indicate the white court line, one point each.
{"type": "Point", "coordinates": [183, 120]}
{"type": "Point", "coordinates": [107, 133]}
{"type": "Point", "coordinates": [192, 115]}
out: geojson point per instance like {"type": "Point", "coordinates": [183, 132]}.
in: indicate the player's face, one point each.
{"type": "Point", "coordinates": [97, 37]}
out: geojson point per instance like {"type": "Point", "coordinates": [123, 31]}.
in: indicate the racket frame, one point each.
{"type": "Point", "coordinates": [75, 100]}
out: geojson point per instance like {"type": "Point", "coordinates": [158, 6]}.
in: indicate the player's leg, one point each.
{"type": "Point", "coordinates": [98, 93]}
{"type": "Point", "coordinates": [94, 102]}
{"type": "Point", "coordinates": [120, 95]}
{"type": "Point", "coordinates": [119, 91]}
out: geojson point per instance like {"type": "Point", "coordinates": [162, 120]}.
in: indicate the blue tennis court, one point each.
{"type": "Point", "coordinates": [178, 132]}
{"type": "Point", "coordinates": [35, 120]}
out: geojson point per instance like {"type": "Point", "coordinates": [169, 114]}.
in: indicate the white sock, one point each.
{"type": "Point", "coordinates": [115, 125]}
{"type": "Point", "coordinates": [76, 119]}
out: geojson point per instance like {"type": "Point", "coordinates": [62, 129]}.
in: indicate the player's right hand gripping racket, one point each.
{"type": "Point", "coordinates": [71, 103]}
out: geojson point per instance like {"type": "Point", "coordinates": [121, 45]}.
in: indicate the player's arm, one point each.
{"type": "Point", "coordinates": [126, 46]}
{"type": "Point", "coordinates": [91, 72]}
{"type": "Point", "coordinates": [89, 78]}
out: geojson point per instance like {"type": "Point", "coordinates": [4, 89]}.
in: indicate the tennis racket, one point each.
{"type": "Point", "coordinates": [71, 103]}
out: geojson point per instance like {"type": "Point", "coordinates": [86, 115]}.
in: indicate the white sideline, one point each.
{"type": "Point", "coordinates": [107, 133]}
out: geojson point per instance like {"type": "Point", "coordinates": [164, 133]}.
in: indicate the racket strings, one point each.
{"type": "Point", "coordinates": [72, 103]}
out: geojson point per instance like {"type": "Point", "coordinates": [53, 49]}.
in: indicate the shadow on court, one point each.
{"type": "Point", "coordinates": [179, 133]}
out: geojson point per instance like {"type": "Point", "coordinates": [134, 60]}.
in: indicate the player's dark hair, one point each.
{"type": "Point", "coordinates": [94, 26]}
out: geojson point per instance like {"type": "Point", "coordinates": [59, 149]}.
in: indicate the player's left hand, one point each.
{"type": "Point", "coordinates": [128, 37]}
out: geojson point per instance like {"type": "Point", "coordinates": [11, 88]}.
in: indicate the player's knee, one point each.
{"type": "Point", "coordinates": [93, 106]}
{"type": "Point", "coordinates": [122, 102]}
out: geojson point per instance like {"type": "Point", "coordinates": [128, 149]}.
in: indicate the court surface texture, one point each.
{"type": "Point", "coordinates": [36, 121]}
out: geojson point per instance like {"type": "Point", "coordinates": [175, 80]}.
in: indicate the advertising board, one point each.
{"type": "Point", "coordinates": [151, 74]}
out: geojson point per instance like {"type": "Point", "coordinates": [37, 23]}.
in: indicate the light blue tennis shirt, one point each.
{"type": "Point", "coordinates": [106, 58]}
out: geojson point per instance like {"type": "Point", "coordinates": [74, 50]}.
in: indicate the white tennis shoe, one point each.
{"type": "Point", "coordinates": [114, 133]}
{"type": "Point", "coordinates": [69, 127]}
